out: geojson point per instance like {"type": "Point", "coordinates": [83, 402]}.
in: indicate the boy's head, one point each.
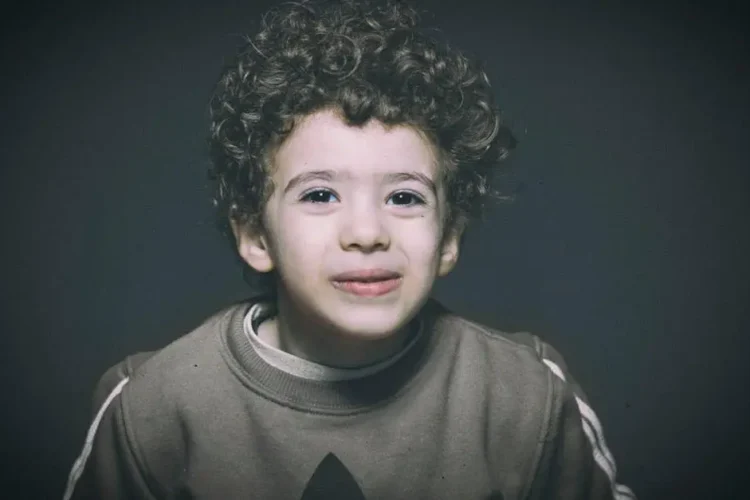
{"type": "Point", "coordinates": [344, 139]}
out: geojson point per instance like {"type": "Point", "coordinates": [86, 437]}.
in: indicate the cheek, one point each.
{"type": "Point", "coordinates": [300, 239]}
{"type": "Point", "coordinates": [421, 243]}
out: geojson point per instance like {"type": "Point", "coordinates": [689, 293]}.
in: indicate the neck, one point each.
{"type": "Point", "coordinates": [307, 337]}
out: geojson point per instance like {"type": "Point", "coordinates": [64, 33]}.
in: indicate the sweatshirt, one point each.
{"type": "Point", "coordinates": [463, 411]}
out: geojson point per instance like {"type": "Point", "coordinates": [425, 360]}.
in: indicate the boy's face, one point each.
{"type": "Point", "coordinates": [350, 201]}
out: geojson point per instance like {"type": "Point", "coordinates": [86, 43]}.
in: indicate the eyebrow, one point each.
{"type": "Point", "coordinates": [330, 175]}
{"type": "Point", "coordinates": [312, 175]}
{"type": "Point", "coordinates": [412, 176]}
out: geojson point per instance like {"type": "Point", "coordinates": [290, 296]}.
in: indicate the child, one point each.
{"type": "Point", "coordinates": [349, 152]}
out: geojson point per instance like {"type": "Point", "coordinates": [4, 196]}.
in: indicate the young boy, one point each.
{"type": "Point", "coordinates": [349, 152]}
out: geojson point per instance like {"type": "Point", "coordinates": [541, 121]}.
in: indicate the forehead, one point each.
{"type": "Point", "coordinates": [324, 140]}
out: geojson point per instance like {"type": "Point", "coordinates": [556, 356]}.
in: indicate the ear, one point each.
{"type": "Point", "coordinates": [253, 247]}
{"type": "Point", "coordinates": [449, 250]}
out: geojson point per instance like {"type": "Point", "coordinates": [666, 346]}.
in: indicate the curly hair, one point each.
{"type": "Point", "coordinates": [367, 60]}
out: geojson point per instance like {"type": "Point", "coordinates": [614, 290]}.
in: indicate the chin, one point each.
{"type": "Point", "coordinates": [370, 321]}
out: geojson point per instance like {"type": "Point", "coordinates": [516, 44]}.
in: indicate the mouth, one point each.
{"type": "Point", "coordinates": [368, 282]}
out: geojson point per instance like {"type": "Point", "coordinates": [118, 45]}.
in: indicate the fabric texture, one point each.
{"type": "Point", "coordinates": [463, 411]}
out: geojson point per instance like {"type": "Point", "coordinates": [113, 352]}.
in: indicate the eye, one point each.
{"type": "Point", "coordinates": [319, 196]}
{"type": "Point", "coordinates": [405, 198]}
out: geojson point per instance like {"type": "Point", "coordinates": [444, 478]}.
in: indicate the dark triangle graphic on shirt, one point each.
{"type": "Point", "coordinates": [332, 480]}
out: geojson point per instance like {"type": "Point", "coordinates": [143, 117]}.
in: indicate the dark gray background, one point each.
{"type": "Point", "coordinates": [627, 248]}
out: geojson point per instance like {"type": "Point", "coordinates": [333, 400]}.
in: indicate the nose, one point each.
{"type": "Point", "coordinates": [364, 229]}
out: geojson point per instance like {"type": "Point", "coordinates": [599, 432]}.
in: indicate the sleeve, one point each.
{"type": "Point", "coordinates": [107, 467]}
{"type": "Point", "coordinates": [576, 464]}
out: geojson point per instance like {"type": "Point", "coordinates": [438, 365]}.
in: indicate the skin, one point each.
{"type": "Point", "coordinates": [362, 214]}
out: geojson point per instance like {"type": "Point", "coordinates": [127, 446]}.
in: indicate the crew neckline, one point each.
{"type": "Point", "coordinates": [330, 396]}
{"type": "Point", "coordinates": [303, 368]}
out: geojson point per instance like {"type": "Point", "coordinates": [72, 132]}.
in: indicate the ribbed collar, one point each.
{"type": "Point", "coordinates": [303, 368]}
{"type": "Point", "coordinates": [345, 396]}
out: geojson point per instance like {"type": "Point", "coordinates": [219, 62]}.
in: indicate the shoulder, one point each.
{"type": "Point", "coordinates": [148, 393]}
{"type": "Point", "coordinates": [194, 349]}
{"type": "Point", "coordinates": [154, 386]}
{"type": "Point", "coordinates": [509, 374]}
{"type": "Point", "coordinates": [520, 365]}
{"type": "Point", "coordinates": [189, 365]}
{"type": "Point", "coordinates": [520, 347]}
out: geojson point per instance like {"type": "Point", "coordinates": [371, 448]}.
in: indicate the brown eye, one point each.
{"type": "Point", "coordinates": [319, 196]}
{"type": "Point", "coordinates": [405, 198]}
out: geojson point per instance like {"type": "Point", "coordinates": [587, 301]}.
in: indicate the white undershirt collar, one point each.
{"type": "Point", "coordinates": [303, 368]}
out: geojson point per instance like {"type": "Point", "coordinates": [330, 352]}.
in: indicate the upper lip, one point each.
{"type": "Point", "coordinates": [366, 275]}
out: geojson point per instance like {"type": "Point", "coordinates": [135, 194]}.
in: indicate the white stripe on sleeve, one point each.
{"type": "Point", "coordinates": [593, 430]}
{"type": "Point", "coordinates": [80, 463]}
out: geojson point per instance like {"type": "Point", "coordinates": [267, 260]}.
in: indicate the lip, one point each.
{"type": "Point", "coordinates": [365, 275]}
{"type": "Point", "coordinates": [367, 282]}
